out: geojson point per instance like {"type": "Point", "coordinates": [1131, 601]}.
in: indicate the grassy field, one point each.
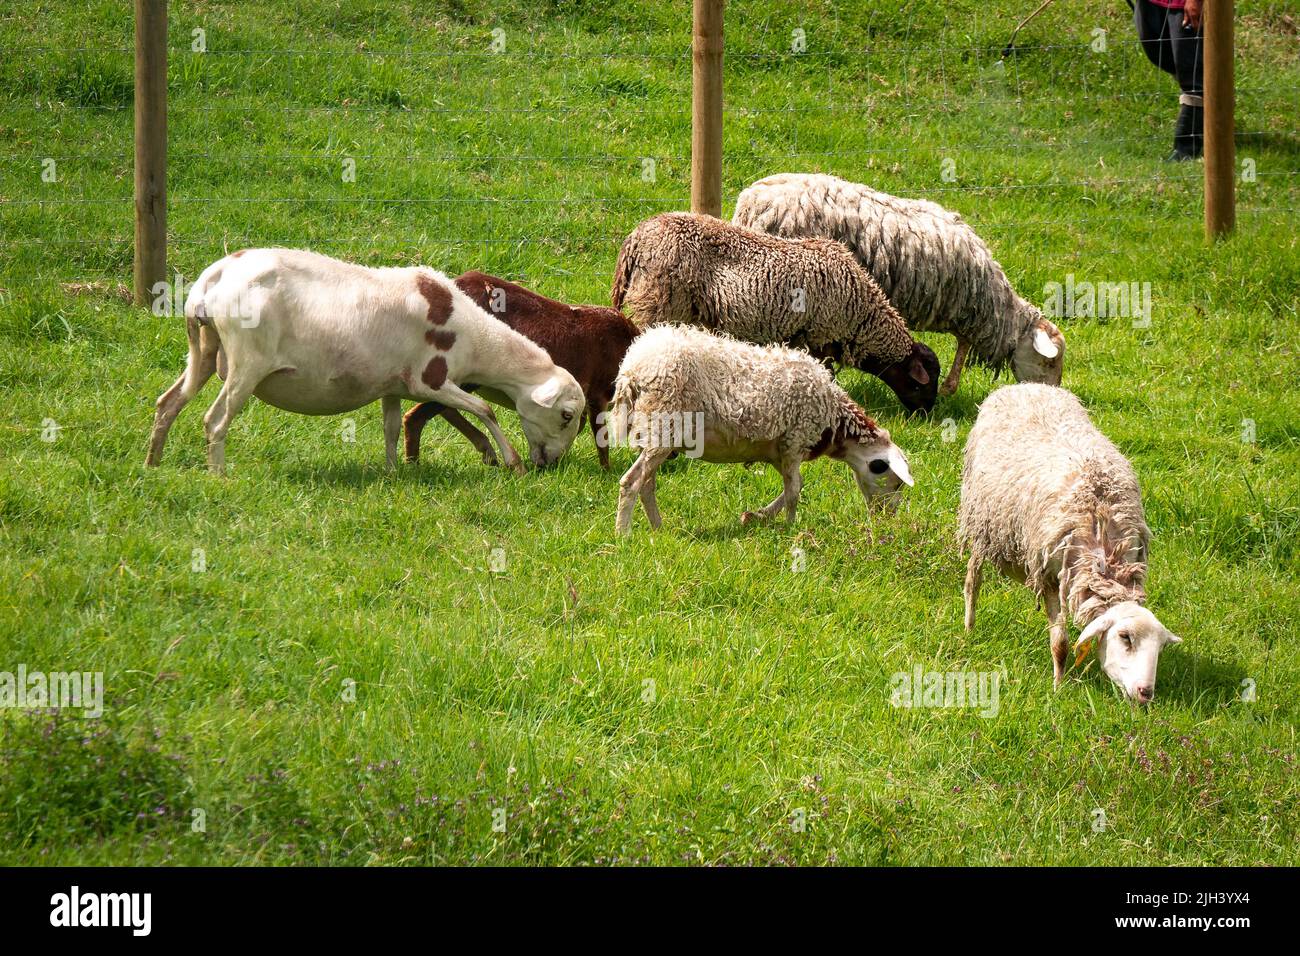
{"type": "Point", "coordinates": [311, 661]}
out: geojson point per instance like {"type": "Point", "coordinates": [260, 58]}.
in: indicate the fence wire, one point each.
{"type": "Point", "coordinates": [529, 152]}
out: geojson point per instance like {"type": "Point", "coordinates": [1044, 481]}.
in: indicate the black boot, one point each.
{"type": "Point", "coordinates": [1189, 135]}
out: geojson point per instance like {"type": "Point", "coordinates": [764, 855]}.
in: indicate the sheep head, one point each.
{"type": "Point", "coordinates": [551, 414]}
{"type": "Point", "coordinates": [1128, 640]}
{"type": "Point", "coordinates": [879, 466]}
{"type": "Point", "coordinates": [915, 379]}
{"type": "Point", "coordinates": [1040, 354]}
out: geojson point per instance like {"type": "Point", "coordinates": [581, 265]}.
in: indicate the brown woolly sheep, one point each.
{"type": "Point", "coordinates": [686, 269]}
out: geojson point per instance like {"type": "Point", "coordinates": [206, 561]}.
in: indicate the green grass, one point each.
{"type": "Point", "coordinates": [347, 682]}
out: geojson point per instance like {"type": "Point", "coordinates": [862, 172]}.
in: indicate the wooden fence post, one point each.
{"type": "Point", "coordinates": [1220, 149]}
{"type": "Point", "coordinates": [706, 108]}
{"type": "Point", "coordinates": [150, 147]}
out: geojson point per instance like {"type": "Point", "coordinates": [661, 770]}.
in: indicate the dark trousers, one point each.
{"type": "Point", "coordinates": [1168, 44]}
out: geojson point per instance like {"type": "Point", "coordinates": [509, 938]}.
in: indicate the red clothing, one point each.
{"type": "Point", "coordinates": [1170, 4]}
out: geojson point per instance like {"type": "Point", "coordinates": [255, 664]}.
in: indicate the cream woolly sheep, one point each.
{"type": "Point", "coordinates": [1048, 499]}
{"type": "Point", "coordinates": [937, 272]}
{"type": "Point", "coordinates": [687, 269]}
{"type": "Point", "coordinates": [753, 403]}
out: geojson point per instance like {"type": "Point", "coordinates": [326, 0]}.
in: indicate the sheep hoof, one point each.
{"type": "Point", "coordinates": [748, 518]}
{"type": "Point", "coordinates": [518, 468]}
{"type": "Point", "coordinates": [490, 459]}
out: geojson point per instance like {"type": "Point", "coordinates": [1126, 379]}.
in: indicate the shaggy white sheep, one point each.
{"type": "Point", "coordinates": [687, 269]}
{"type": "Point", "coordinates": [937, 272]}
{"type": "Point", "coordinates": [1048, 499]}
{"type": "Point", "coordinates": [751, 403]}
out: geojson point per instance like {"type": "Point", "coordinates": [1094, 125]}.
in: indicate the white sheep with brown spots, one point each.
{"type": "Point", "coordinates": [318, 336]}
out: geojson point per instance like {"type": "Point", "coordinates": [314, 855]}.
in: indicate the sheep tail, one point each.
{"type": "Point", "coordinates": [624, 404]}
{"type": "Point", "coordinates": [623, 272]}
{"type": "Point", "coordinates": [202, 334]}
{"type": "Point", "coordinates": [195, 310]}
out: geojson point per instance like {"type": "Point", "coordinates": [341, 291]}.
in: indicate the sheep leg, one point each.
{"type": "Point", "coordinates": [627, 492]}
{"type": "Point", "coordinates": [237, 390]}
{"type": "Point", "coordinates": [476, 438]}
{"type": "Point", "coordinates": [1060, 635]}
{"type": "Point", "coordinates": [762, 514]}
{"type": "Point", "coordinates": [954, 374]}
{"type": "Point", "coordinates": [418, 416]}
{"type": "Point", "coordinates": [648, 501]}
{"type": "Point", "coordinates": [792, 480]}
{"type": "Point", "coordinates": [201, 364]}
{"type": "Point", "coordinates": [791, 483]}
{"type": "Point", "coordinates": [602, 447]}
{"type": "Point", "coordinates": [632, 485]}
{"type": "Point", "coordinates": [974, 576]}
{"type": "Point", "coordinates": [413, 426]}
{"type": "Point", "coordinates": [594, 409]}
{"type": "Point", "coordinates": [392, 408]}
{"type": "Point", "coordinates": [455, 397]}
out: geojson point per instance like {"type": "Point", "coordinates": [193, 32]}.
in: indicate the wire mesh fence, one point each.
{"type": "Point", "coordinates": [530, 151]}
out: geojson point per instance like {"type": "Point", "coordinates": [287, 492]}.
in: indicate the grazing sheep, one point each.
{"type": "Point", "coordinates": [1048, 499]}
{"type": "Point", "coordinates": [751, 403]}
{"type": "Point", "coordinates": [688, 269]}
{"type": "Point", "coordinates": [314, 335]}
{"type": "Point", "coordinates": [936, 271]}
{"type": "Point", "coordinates": [587, 340]}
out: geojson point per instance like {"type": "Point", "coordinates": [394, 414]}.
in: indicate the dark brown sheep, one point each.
{"type": "Point", "coordinates": [587, 340]}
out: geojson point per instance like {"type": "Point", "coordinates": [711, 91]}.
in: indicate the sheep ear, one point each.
{"type": "Point", "coordinates": [918, 373]}
{"type": "Point", "coordinates": [1044, 345]}
{"type": "Point", "coordinates": [898, 465]}
{"type": "Point", "coordinates": [1172, 638]}
{"type": "Point", "coordinates": [1088, 639]}
{"type": "Point", "coordinates": [546, 393]}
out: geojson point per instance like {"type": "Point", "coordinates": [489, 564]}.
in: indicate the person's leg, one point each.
{"type": "Point", "coordinates": [1176, 49]}
{"type": "Point", "coordinates": [1153, 33]}
{"type": "Point", "coordinates": [1186, 43]}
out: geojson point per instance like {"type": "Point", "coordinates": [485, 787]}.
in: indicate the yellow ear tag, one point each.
{"type": "Point", "coordinates": [1082, 650]}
